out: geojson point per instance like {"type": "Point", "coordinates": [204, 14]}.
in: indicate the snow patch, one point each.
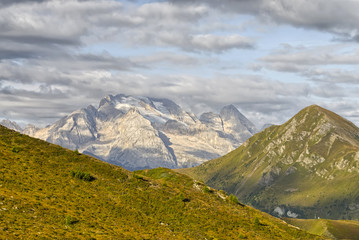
{"type": "Point", "coordinates": [292, 214]}
{"type": "Point", "coordinates": [279, 211]}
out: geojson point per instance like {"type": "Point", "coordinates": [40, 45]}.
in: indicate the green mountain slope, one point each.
{"type": "Point", "coordinates": [48, 192]}
{"type": "Point", "coordinates": [308, 167]}
{"type": "Point", "coordinates": [335, 229]}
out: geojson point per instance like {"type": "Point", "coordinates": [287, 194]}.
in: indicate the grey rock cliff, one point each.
{"type": "Point", "coordinates": [11, 125]}
{"type": "Point", "coordinates": [141, 132]}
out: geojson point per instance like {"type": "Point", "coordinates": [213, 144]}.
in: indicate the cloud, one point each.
{"type": "Point", "coordinates": [309, 56]}
{"type": "Point", "coordinates": [66, 92]}
{"type": "Point", "coordinates": [37, 29]}
{"type": "Point", "coordinates": [334, 76]}
{"type": "Point", "coordinates": [338, 17]}
{"type": "Point", "coordinates": [14, 2]}
{"type": "Point", "coordinates": [329, 64]}
{"type": "Point", "coordinates": [168, 58]}
{"type": "Point", "coordinates": [220, 43]}
{"type": "Point", "coordinates": [58, 56]}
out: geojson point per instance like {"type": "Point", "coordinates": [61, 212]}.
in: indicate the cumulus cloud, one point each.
{"type": "Point", "coordinates": [333, 76]}
{"type": "Point", "coordinates": [316, 55]}
{"type": "Point", "coordinates": [33, 28]}
{"type": "Point", "coordinates": [220, 43]}
{"type": "Point", "coordinates": [329, 63]}
{"type": "Point", "coordinates": [168, 58]}
{"type": "Point", "coordinates": [12, 2]}
{"type": "Point", "coordinates": [58, 56]}
{"type": "Point", "coordinates": [66, 92]}
{"type": "Point", "coordinates": [338, 17]}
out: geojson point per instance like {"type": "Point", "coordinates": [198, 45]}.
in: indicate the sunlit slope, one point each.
{"type": "Point", "coordinates": [335, 229]}
{"type": "Point", "coordinates": [48, 192]}
{"type": "Point", "coordinates": [308, 167]}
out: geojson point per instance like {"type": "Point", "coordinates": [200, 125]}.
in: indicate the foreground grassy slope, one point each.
{"type": "Point", "coordinates": [48, 192]}
{"type": "Point", "coordinates": [308, 167]}
{"type": "Point", "coordinates": [335, 229]}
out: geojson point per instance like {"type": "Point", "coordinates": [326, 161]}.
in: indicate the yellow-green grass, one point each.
{"type": "Point", "coordinates": [336, 229]}
{"type": "Point", "coordinates": [44, 194]}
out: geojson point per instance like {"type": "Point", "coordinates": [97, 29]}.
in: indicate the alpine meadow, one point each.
{"type": "Point", "coordinates": [179, 119]}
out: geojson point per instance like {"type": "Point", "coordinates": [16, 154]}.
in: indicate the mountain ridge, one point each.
{"type": "Point", "coordinates": [175, 138]}
{"type": "Point", "coordinates": [306, 167]}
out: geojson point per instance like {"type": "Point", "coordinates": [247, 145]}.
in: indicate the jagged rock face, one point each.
{"type": "Point", "coordinates": [130, 137]}
{"type": "Point", "coordinates": [308, 167]}
{"type": "Point", "coordinates": [230, 123]}
{"type": "Point", "coordinates": [73, 131]}
{"type": "Point", "coordinates": [212, 120]}
{"type": "Point", "coordinates": [30, 130]}
{"type": "Point", "coordinates": [11, 125]}
{"type": "Point", "coordinates": [141, 132]}
{"type": "Point", "coordinates": [236, 123]}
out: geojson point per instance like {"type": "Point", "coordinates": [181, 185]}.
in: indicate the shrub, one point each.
{"type": "Point", "coordinates": [82, 175]}
{"type": "Point", "coordinates": [183, 198]}
{"type": "Point", "coordinates": [241, 236]}
{"type": "Point", "coordinates": [16, 149]}
{"type": "Point", "coordinates": [207, 190]}
{"type": "Point", "coordinates": [233, 199]}
{"type": "Point", "coordinates": [68, 220]}
{"type": "Point", "coordinates": [139, 177]}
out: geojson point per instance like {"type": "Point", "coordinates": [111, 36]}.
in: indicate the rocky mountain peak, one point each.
{"type": "Point", "coordinates": [231, 114]}
{"type": "Point", "coordinates": [105, 100]}
{"type": "Point", "coordinates": [30, 129]}
{"type": "Point", "coordinates": [229, 111]}
{"type": "Point", "coordinates": [212, 120]}
{"type": "Point", "coordinates": [310, 163]}
{"type": "Point", "coordinates": [143, 132]}
{"type": "Point", "coordinates": [316, 113]}
{"type": "Point", "coordinates": [167, 106]}
{"type": "Point", "coordinates": [11, 125]}
{"type": "Point", "coordinates": [314, 118]}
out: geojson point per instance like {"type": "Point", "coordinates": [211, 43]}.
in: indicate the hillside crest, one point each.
{"type": "Point", "coordinates": [307, 167]}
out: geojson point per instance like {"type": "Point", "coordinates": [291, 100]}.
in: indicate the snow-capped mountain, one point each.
{"type": "Point", "coordinates": [11, 125]}
{"type": "Point", "coordinates": [142, 132]}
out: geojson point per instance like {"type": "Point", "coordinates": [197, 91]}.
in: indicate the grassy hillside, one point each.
{"type": "Point", "coordinates": [48, 192]}
{"type": "Point", "coordinates": [308, 167]}
{"type": "Point", "coordinates": [335, 229]}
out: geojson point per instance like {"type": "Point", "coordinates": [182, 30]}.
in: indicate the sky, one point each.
{"type": "Point", "coordinates": [270, 58]}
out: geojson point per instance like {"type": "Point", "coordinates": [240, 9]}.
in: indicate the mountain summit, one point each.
{"type": "Point", "coordinates": [141, 132]}
{"type": "Point", "coordinates": [308, 167]}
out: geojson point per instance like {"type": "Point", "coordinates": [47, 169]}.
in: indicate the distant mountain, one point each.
{"type": "Point", "coordinates": [308, 168]}
{"type": "Point", "coordinates": [230, 122]}
{"type": "Point", "coordinates": [140, 132]}
{"type": "Point", "coordinates": [11, 125]}
{"type": "Point", "coordinates": [48, 192]}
